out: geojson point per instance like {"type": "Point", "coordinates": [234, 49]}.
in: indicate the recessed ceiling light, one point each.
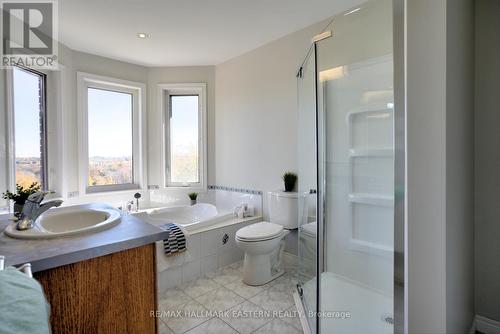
{"type": "Point", "coordinates": [142, 35]}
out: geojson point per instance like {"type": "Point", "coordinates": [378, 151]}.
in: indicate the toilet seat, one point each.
{"type": "Point", "coordinates": [259, 232]}
{"type": "Point", "coordinates": [309, 229]}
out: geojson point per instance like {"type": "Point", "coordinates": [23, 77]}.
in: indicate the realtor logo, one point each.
{"type": "Point", "coordinates": [28, 34]}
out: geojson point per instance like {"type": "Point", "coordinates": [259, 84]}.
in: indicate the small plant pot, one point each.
{"type": "Point", "coordinates": [18, 209]}
{"type": "Point", "coordinates": [193, 202]}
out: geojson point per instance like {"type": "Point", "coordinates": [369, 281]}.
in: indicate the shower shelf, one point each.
{"type": "Point", "coordinates": [372, 109]}
{"type": "Point", "coordinates": [370, 247]}
{"type": "Point", "coordinates": [372, 199]}
{"type": "Point", "coordinates": [371, 152]}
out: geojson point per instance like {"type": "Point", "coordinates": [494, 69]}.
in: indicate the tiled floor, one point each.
{"type": "Point", "coordinates": [221, 303]}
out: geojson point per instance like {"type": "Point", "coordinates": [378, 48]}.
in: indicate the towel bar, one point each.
{"type": "Point", "coordinates": [25, 268]}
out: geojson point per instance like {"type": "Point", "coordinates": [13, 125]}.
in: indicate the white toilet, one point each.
{"type": "Point", "coordinates": [263, 242]}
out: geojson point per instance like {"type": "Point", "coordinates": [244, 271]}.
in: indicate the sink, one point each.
{"type": "Point", "coordinates": [69, 220]}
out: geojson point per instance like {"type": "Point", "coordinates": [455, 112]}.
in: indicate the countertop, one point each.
{"type": "Point", "coordinates": [45, 254]}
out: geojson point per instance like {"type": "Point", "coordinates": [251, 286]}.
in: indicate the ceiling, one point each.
{"type": "Point", "coordinates": [185, 32]}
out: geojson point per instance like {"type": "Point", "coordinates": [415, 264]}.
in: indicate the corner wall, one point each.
{"type": "Point", "coordinates": [487, 160]}
{"type": "Point", "coordinates": [440, 165]}
{"type": "Point", "coordinates": [459, 165]}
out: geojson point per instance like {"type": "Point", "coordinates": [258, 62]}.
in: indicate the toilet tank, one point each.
{"type": "Point", "coordinates": [284, 208]}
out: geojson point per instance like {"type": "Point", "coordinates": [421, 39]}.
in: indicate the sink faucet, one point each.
{"type": "Point", "coordinates": [34, 208]}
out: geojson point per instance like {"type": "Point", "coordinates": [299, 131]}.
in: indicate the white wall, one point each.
{"type": "Point", "coordinates": [439, 169]}
{"type": "Point", "coordinates": [256, 114]}
{"type": "Point", "coordinates": [487, 160]}
{"type": "Point", "coordinates": [459, 165]}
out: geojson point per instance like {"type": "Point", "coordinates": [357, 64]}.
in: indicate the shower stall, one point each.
{"type": "Point", "coordinates": [351, 123]}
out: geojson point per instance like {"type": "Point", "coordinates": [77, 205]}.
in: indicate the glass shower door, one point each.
{"type": "Point", "coordinates": [307, 184]}
{"type": "Point", "coordinates": [356, 109]}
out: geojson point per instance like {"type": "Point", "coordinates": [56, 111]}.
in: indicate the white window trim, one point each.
{"type": "Point", "coordinates": [11, 145]}
{"type": "Point", "coordinates": [138, 91]}
{"type": "Point", "coordinates": [164, 92]}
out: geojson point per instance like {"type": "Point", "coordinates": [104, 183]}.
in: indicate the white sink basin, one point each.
{"type": "Point", "coordinates": [69, 220]}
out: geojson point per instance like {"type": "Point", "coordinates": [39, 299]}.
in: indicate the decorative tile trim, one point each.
{"type": "Point", "coordinates": [236, 190]}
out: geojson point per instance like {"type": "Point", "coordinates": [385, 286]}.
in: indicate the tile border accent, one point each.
{"type": "Point", "coordinates": [236, 190]}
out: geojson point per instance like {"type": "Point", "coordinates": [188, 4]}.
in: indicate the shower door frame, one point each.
{"type": "Point", "coordinates": [400, 191]}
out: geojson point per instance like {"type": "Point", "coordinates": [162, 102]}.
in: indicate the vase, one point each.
{"type": "Point", "coordinates": [193, 202]}
{"type": "Point", "coordinates": [18, 209]}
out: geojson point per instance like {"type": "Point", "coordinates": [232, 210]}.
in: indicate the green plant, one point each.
{"type": "Point", "coordinates": [21, 194]}
{"type": "Point", "coordinates": [290, 179]}
{"type": "Point", "coordinates": [193, 196]}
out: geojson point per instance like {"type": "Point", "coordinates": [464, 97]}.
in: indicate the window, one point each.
{"type": "Point", "coordinates": [185, 135]}
{"type": "Point", "coordinates": [28, 126]}
{"type": "Point", "coordinates": [111, 134]}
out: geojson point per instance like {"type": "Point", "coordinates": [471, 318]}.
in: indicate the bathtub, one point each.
{"type": "Point", "coordinates": [190, 218]}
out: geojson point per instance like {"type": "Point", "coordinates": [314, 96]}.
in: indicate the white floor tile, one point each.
{"type": "Point", "coordinates": [244, 290]}
{"type": "Point", "coordinates": [213, 326]}
{"type": "Point", "coordinates": [172, 297]}
{"type": "Point", "coordinates": [163, 329]}
{"type": "Point", "coordinates": [246, 317]}
{"type": "Point", "coordinates": [273, 299]}
{"type": "Point", "coordinates": [220, 299]}
{"type": "Point", "coordinates": [292, 318]}
{"type": "Point", "coordinates": [225, 275]}
{"type": "Point", "coordinates": [199, 287]}
{"type": "Point", "coordinates": [190, 315]}
{"type": "Point", "coordinates": [277, 326]}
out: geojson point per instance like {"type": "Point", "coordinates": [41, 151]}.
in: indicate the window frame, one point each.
{"type": "Point", "coordinates": [165, 91]}
{"type": "Point", "coordinates": [138, 91]}
{"type": "Point", "coordinates": [11, 147]}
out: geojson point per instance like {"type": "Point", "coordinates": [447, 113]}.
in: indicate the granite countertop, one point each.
{"type": "Point", "coordinates": [45, 254]}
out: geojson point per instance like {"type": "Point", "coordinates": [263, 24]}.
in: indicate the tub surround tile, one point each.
{"type": "Point", "coordinates": [220, 299]}
{"type": "Point", "coordinates": [245, 325]}
{"type": "Point", "coordinates": [210, 242]}
{"type": "Point", "coordinates": [277, 326]}
{"type": "Point", "coordinates": [199, 287]}
{"type": "Point", "coordinates": [193, 248]}
{"type": "Point", "coordinates": [189, 316]}
{"type": "Point", "coordinates": [213, 326]}
{"type": "Point", "coordinates": [208, 264]}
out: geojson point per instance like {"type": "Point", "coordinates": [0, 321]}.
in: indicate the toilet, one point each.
{"type": "Point", "coordinates": [263, 242]}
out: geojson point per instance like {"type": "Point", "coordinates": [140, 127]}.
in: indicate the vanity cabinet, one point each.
{"type": "Point", "coordinates": [113, 293]}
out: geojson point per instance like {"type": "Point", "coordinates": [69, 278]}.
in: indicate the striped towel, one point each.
{"type": "Point", "coordinates": [176, 241]}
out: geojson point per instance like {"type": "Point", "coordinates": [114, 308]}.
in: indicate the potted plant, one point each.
{"type": "Point", "coordinates": [192, 197]}
{"type": "Point", "coordinates": [290, 179]}
{"type": "Point", "coordinates": [20, 196]}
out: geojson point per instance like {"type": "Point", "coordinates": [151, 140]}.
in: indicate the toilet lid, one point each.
{"type": "Point", "coordinates": [259, 231]}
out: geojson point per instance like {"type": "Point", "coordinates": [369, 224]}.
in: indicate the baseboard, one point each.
{"type": "Point", "coordinates": [485, 325]}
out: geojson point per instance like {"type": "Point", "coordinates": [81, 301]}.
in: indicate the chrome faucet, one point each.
{"type": "Point", "coordinates": [34, 208]}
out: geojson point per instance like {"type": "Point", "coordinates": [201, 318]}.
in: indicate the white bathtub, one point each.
{"type": "Point", "coordinates": [191, 218]}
